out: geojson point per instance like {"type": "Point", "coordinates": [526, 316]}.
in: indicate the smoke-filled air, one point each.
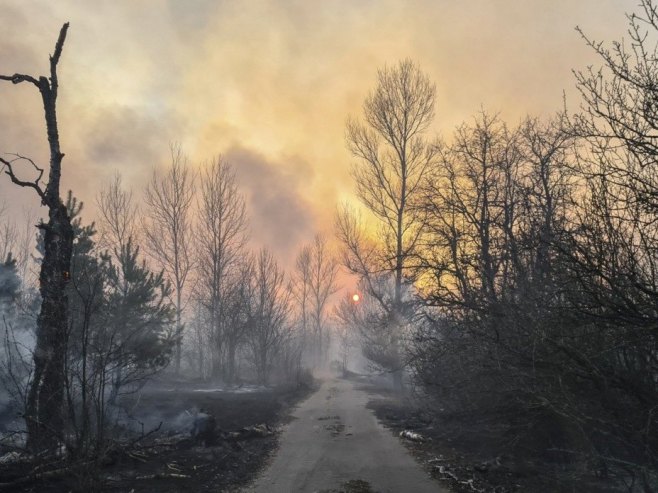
{"type": "Point", "coordinates": [329, 247]}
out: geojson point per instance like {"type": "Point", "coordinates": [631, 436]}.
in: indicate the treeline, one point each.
{"type": "Point", "coordinates": [513, 269]}
{"type": "Point", "coordinates": [167, 284]}
{"type": "Point", "coordinates": [92, 310]}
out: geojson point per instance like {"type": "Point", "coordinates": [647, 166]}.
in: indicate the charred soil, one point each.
{"type": "Point", "coordinates": [168, 457]}
{"type": "Point", "coordinates": [475, 453]}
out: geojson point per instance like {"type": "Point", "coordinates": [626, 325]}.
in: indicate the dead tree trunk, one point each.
{"type": "Point", "coordinates": [44, 412]}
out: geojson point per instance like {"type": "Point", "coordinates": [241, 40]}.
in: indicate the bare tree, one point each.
{"type": "Point", "coordinates": [118, 216]}
{"type": "Point", "coordinates": [313, 283]}
{"type": "Point", "coordinates": [220, 236]}
{"type": "Point", "coordinates": [44, 404]}
{"type": "Point", "coordinates": [168, 229]}
{"type": "Point", "coordinates": [394, 159]}
{"type": "Point", "coordinates": [323, 272]}
{"type": "Point", "coordinates": [348, 327]}
{"type": "Point", "coordinates": [301, 280]}
{"type": "Point", "coordinates": [268, 318]}
{"type": "Point", "coordinates": [471, 206]}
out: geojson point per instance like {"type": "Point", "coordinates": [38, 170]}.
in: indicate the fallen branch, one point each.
{"type": "Point", "coordinates": [162, 476]}
{"type": "Point", "coordinates": [144, 435]}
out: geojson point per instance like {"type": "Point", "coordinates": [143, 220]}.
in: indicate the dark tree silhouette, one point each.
{"type": "Point", "coordinates": [43, 415]}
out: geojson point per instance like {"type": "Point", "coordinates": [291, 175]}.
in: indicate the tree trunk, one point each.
{"type": "Point", "coordinates": [230, 362]}
{"type": "Point", "coordinates": [44, 410]}
{"type": "Point", "coordinates": [45, 398]}
{"type": "Point", "coordinates": [179, 333]}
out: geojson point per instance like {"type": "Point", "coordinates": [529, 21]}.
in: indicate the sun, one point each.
{"type": "Point", "coordinates": [355, 298]}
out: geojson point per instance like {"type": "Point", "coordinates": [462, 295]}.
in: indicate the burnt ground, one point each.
{"type": "Point", "coordinates": [169, 459]}
{"type": "Point", "coordinates": [470, 454]}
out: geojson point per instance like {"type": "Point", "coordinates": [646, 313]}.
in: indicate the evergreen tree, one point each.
{"type": "Point", "coordinates": [120, 330]}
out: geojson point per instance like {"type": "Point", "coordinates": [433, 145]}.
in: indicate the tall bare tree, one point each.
{"type": "Point", "coordinates": [220, 236]}
{"type": "Point", "coordinates": [44, 404]}
{"type": "Point", "coordinates": [313, 283]}
{"type": "Point", "coordinates": [168, 229]}
{"type": "Point", "coordinates": [301, 280]}
{"type": "Point", "coordinates": [393, 159]}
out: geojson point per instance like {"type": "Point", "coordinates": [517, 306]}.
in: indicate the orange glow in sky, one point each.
{"type": "Point", "coordinates": [270, 84]}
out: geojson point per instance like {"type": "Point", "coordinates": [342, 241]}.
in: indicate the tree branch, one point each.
{"type": "Point", "coordinates": [28, 184]}
{"type": "Point", "coordinates": [18, 78]}
{"type": "Point", "coordinates": [54, 59]}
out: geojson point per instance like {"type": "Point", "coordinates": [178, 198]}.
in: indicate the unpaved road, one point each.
{"type": "Point", "coordinates": [336, 444]}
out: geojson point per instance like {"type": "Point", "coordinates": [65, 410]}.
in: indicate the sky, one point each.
{"type": "Point", "coordinates": [269, 85]}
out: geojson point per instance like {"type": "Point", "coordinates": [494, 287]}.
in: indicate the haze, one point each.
{"type": "Point", "coordinates": [269, 86]}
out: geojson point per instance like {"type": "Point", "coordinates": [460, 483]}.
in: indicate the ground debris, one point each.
{"type": "Point", "coordinates": [413, 436]}
{"type": "Point", "coordinates": [489, 465]}
{"type": "Point", "coordinates": [335, 429]}
{"type": "Point", "coordinates": [256, 431]}
{"type": "Point", "coordinates": [168, 459]}
{"type": "Point", "coordinates": [12, 457]}
{"type": "Point", "coordinates": [446, 473]}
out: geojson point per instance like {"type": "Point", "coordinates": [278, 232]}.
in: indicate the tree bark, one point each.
{"type": "Point", "coordinates": [44, 404]}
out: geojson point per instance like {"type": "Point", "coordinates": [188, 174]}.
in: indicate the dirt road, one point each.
{"type": "Point", "coordinates": [336, 444]}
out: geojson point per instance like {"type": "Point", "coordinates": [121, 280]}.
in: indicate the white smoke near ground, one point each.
{"type": "Point", "coordinates": [17, 339]}
{"type": "Point", "coordinates": [141, 418]}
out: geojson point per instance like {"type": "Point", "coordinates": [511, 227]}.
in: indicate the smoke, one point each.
{"type": "Point", "coordinates": [17, 341]}
{"type": "Point", "coordinates": [280, 216]}
{"type": "Point", "coordinates": [150, 419]}
{"type": "Point", "coordinates": [126, 138]}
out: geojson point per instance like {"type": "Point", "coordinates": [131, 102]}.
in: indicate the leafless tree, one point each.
{"type": "Point", "coordinates": [17, 238]}
{"type": "Point", "coordinates": [301, 280]}
{"type": "Point", "coordinates": [268, 320]}
{"type": "Point", "coordinates": [221, 237]}
{"type": "Point", "coordinates": [118, 216]}
{"type": "Point", "coordinates": [348, 327]}
{"type": "Point", "coordinates": [8, 234]}
{"type": "Point", "coordinates": [44, 404]}
{"type": "Point", "coordinates": [313, 283]}
{"type": "Point", "coordinates": [393, 160]}
{"type": "Point", "coordinates": [168, 229]}
{"type": "Point", "coordinates": [323, 273]}
{"type": "Point", "coordinates": [540, 271]}
{"type": "Point", "coordinates": [471, 206]}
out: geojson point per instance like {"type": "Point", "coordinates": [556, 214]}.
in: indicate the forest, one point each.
{"type": "Point", "coordinates": [505, 276]}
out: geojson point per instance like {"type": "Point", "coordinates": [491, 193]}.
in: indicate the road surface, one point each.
{"type": "Point", "coordinates": [336, 444]}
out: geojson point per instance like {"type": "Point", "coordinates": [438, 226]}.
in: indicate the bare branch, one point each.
{"type": "Point", "coordinates": [9, 170]}
{"type": "Point", "coordinates": [18, 78]}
